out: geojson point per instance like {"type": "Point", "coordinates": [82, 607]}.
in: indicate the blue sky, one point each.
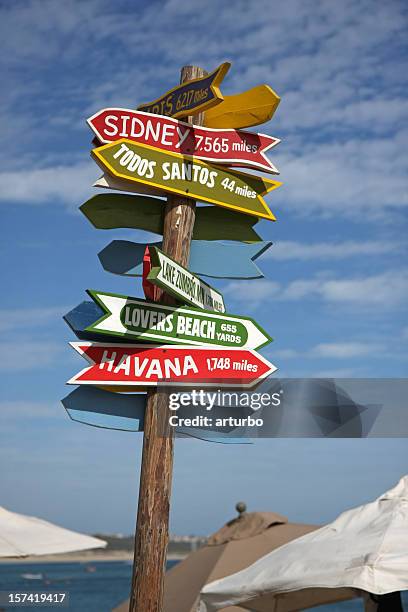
{"type": "Point", "coordinates": [336, 282]}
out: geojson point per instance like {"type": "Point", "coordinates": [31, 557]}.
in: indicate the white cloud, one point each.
{"type": "Point", "coordinates": [29, 318]}
{"type": "Point", "coordinates": [28, 355]}
{"type": "Point", "coordinates": [332, 350]}
{"type": "Point", "coordinates": [334, 373]}
{"type": "Point", "coordinates": [387, 289]}
{"type": "Point", "coordinates": [359, 177]}
{"type": "Point", "coordinates": [253, 292]}
{"type": "Point", "coordinates": [337, 67]}
{"type": "Point", "coordinates": [69, 185]}
{"type": "Point", "coordinates": [283, 250]}
{"type": "Point", "coordinates": [382, 291]}
{"type": "Point", "coordinates": [345, 350]}
{"type": "Point", "coordinates": [19, 409]}
{"type": "Point", "coordinates": [285, 353]}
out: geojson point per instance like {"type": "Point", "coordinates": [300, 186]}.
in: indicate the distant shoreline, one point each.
{"type": "Point", "coordinates": [82, 557]}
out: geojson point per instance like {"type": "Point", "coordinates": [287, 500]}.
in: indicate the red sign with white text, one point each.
{"type": "Point", "coordinates": [147, 365]}
{"type": "Point", "coordinates": [230, 147]}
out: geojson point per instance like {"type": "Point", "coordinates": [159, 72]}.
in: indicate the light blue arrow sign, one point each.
{"type": "Point", "coordinates": [125, 412]}
{"type": "Point", "coordinates": [215, 259]}
{"type": "Point", "coordinates": [100, 408]}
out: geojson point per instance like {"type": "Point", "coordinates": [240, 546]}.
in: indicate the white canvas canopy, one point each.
{"type": "Point", "coordinates": [365, 548]}
{"type": "Point", "coordinates": [22, 535]}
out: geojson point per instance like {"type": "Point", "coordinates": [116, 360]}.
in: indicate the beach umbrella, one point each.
{"type": "Point", "coordinates": [235, 546]}
{"type": "Point", "coordinates": [365, 549]}
{"type": "Point", "coordinates": [22, 535]}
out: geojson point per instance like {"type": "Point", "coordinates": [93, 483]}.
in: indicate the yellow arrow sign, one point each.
{"type": "Point", "coordinates": [252, 107]}
{"type": "Point", "coordinates": [190, 97]}
{"type": "Point", "coordinates": [186, 176]}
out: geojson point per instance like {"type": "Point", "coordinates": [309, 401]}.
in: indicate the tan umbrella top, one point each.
{"type": "Point", "coordinates": [246, 525]}
{"type": "Point", "coordinates": [232, 548]}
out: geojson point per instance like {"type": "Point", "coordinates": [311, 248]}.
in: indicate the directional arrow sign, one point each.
{"type": "Point", "coordinates": [191, 97]}
{"type": "Point", "coordinates": [252, 107]}
{"type": "Point", "coordinates": [152, 292]}
{"type": "Point", "coordinates": [134, 365]}
{"type": "Point", "coordinates": [181, 283]}
{"type": "Point", "coordinates": [186, 176]}
{"type": "Point", "coordinates": [129, 317]}
{"type": "Point", "coordinates": [81, 316]}
{"type": "Point", "coordinates": [106, 181]}
{"type": "Point", "coordinates": [214, 259]}
{"type": "Point", "coordinates": [112, 211]}
{"type": "Point", "coordinates": [100, 408]}
{"type": "Point", "coordinates": [231, 147]}
{"type": "Point", "coordinates": [125, 412]}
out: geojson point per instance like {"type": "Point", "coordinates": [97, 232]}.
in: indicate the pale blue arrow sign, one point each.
{"type": "Point", "coordinates": [207, 258]}
{"type": "Point", "coordinates": [100, 408]}
{"type": "Point", "coordinates": [125, 412]}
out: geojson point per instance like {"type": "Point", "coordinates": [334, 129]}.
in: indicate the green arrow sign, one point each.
{"type": "Point", "coordinates": [180, 282]}
{"type": "Point", "coordinates": [186, 176]}
{"type": "Point", "coordinates": [129, 317]}
{"type": "Point", "coordinates": [112, 211]}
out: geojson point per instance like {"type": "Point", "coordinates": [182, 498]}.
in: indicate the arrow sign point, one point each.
{"type": "Point", "coordinates": [132, 317]}
{"type": "Point", "coordinates": [135, 365]}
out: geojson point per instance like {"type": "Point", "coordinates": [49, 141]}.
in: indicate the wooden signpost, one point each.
{"type": "Point", "coordinates": [134, 365]}
{"type": "Point", "coordinates": [181, 283]}
{"type": "Point", "coordinates": [230, 147]}
{"type": "Point", "coordinates": [157, 156]}
{"type": "Point", "coordinates": [247, 109]}
{"type": "Point", "coordinates": [190, 97]}
{"type": "Point", "coordinates": [152, 531]}
{"type": "Point", "coordinates": [186, 176]}
{"type": "Point", "coordinates": [112, 211]}
{"type": "Point", "coordinates": [213, 259]}
{"type": "Point", "coordinates": [127, 317]}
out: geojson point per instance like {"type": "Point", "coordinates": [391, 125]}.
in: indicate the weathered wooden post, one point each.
{"type": "Point", "coordinates": [152, 528]}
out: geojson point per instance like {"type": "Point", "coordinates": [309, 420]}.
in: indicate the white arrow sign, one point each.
{"type": "Point", "coordinates": [129, 317]}
{"type": "Point", "coordinates": [180, 282]}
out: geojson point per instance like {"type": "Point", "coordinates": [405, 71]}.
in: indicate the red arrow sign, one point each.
{"type": "Point", "coordinates": [152, 292]}
{"type": "Point", "coordinates": [231, 147]}
{"type": "Point", "coordinates": [134, 365]}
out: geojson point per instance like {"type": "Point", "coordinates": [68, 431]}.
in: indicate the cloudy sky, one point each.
{"type": "Point", "coordinates": [336, 283]}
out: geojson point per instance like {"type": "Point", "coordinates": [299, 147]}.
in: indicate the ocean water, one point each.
{"type": "Point", "coordinates": [95, 587]}
{"type": "Point", "coordinates": [99, 590]}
